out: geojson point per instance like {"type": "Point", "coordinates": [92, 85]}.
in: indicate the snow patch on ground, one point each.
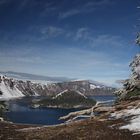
{"type": "Point", "coordinates": [134, 122]}
{"type": "Point", "coordinates": [134, 125]}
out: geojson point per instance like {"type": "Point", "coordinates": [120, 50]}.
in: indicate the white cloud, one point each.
{"type": "Point", "coordinates": [49, 8]}
{"type": "Point", "coordinates": [111, 43]}
{"type": "Point", "coordinates": [79, 34]}
{"type": "Point", "coordinates": [33, 34]}
{"type": "Point", "coordinates": [51, 31]}
{"type": "Point", "coordinates": [21, 57]}
{"type": "Point", "coordinates": [99, 3]}
{"type": "Point", "coordinates": [65, 61]}
{"type": "Point", "coordinates": [84, 8]}
{"type": "Point", "coordinates": [69, 13]}
{"type": "Point", "coordinates": [47, 32]}
{"type": "Point", "coordinates": [82, 33]}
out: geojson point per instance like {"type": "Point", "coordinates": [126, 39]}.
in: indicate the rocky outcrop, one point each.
{"type": "Point", "coordinates": [84, 86]}
{"type": "Point", "coordinates": [131, 86]}
{"type": "Point", "coordinates": [90, 112]}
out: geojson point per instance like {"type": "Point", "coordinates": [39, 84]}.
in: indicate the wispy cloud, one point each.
{"type": "Point", "coordinates": [32, 34]}
{"type": "Point", "coordinates": [51, 31]}
{"type": "Point", "coordinates": [79, 34]}
{"type": "Point", "coordinates": [49, 8]}
{"type": "Point", "coordinates": [109, 42]}
{"type": "Point", "coordinates": [82, 33]}
{"type": "Point", "coordinates": [69, 13]}
{"type": "Point", "coordinates": [4, 2]}
{"type": "Point", "coordinates": [46, 32]}
{"type": "Point", "coordinates": [84, 8]}
{"type": "Point", "coordinates": [21, 55]}
{"type": "Point", "coordinates": [100, 42]}
{"type": "Point", "coordinates": [98, 3]}
{"type": "Point", "coordinates": [65, 61]}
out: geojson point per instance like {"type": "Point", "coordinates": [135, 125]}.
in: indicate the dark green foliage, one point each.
{"type": "Point", "coordinates": [2, 103]}
{"type": "Point", "coordinates": [138, 39]}
{"type": "Point", "coordinates": [2, 107]}
{"type": "Point", "coordinates": [1, 92]}
{"type": "Point", "coordinates": [0, 79]}
{"type": "Point", "coordinates": [133, 94]}
{"type": "Point", "coordinates": [102, 91]}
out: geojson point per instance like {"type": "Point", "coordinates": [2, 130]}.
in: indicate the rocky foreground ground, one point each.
{"type": "Point", "coordinates": [95, 128]}
{"type": "Point", "coordinates": [90, 129]}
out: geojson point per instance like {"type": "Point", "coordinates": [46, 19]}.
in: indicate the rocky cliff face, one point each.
{"type": "Point", "coordinates": [15, 88]}
{"type": "Point", "coordinates": [86, 87]}
{"type": "Point", "coordinates": [131, 86]}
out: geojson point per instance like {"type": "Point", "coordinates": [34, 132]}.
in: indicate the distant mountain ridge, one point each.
{"type": "Point", "coordinates": [18, 88]}
{"type": "Point", "coordinates": [13, 87]}
{"type": "Point", "coordinates": [27, 76]}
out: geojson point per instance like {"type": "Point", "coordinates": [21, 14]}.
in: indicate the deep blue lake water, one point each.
{"type": "Point", "coordinates": [20, 112]}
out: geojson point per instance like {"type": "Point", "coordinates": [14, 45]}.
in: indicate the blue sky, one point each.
{"type": "Point", "coordinates": [85, 39]}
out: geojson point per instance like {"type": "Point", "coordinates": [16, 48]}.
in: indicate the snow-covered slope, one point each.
{"type": "Point", "coordinates": [93, 86]}
{"type": "Point", "coordinates": [8, 90]}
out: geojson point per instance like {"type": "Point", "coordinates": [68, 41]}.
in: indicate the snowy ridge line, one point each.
{"type": "Point", "coordinates": [81, 94]}
{"type": "Point", "coordinates": [60, 94]}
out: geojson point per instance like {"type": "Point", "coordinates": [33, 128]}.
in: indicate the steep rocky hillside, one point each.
{"type": "Point", "coordinates": [66, 99]}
